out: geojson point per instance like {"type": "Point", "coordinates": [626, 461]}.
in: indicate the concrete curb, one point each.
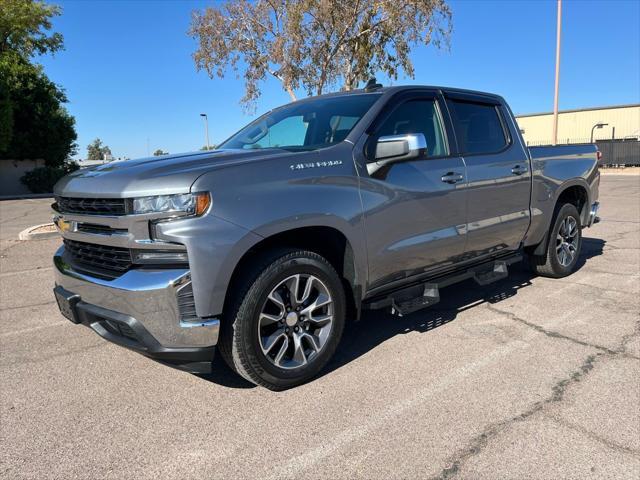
{"type": "Point", "coordinates": [27, 235]}
{"type": "Point", "coordinates": [26, 196]}
{"type": "Point", "coordinates": [620, 171]}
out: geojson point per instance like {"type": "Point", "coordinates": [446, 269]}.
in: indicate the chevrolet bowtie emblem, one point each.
{"type": "Point", "coordinates": [63, 225]}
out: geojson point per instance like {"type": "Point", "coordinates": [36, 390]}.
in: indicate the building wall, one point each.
{"type": "Point", "coordinates": [10, 173]}
{"type": "Point", "coordinates": [574, 126]}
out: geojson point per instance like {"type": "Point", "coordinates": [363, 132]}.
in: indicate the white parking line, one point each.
{"type": "Point", "coordinates": [32, 329]}
{"type": "Point", "coordinates": [20, 272]}
{"type": "Point", "coordinates": [299, 463]}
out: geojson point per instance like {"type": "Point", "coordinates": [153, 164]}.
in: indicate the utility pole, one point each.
{"type": "Point", "coordinates": [206, 128]}
{"type": "Point", "coordinates": [555, 99]}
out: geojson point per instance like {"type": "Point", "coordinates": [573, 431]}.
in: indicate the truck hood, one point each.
{"type": "Point", "coordinates": [153, 175]}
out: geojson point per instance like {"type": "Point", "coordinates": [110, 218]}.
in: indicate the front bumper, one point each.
{"type": "Point", "coordinates": [593, 214]}
{"type": "Point", "coordinates": [139, 310]}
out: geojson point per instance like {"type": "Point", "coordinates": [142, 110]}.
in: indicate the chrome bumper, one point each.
{"type": "Point", "coordinates": [148, 296]}
{"type": "Point", "coordinates": [593, 214]}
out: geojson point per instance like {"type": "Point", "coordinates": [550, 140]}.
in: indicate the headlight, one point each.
{"type": "Point", "coordinates": [189, 203]}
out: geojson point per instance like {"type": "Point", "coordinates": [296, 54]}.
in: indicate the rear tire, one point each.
{"type": "Point", "coordinates": [564, 244]}
{"type": "Point", "coordinates": [286, 321]}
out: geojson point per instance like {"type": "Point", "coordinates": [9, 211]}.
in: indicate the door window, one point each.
{"type": "Point", "coordinates": [417, 116]}
{"type": "Point", "coordinates": [479, 127]}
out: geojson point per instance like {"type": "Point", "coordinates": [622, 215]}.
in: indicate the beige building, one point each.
{"type": "Point", "coordinates": [574, 126]}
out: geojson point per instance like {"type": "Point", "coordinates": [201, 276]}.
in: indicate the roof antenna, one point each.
{"type": "Point", "coordinates": [372, 85]}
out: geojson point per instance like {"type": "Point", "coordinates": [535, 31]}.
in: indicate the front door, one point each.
{"type": "Point", "coordinates": [415, 210]}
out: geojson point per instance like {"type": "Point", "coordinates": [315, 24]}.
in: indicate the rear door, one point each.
{"type": "Point", "coordinates": [498, 176]}
{"type": "Point", "coordinates": [415, 210]}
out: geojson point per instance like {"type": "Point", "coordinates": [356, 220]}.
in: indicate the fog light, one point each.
{"type": "Point", "coordinates": [159, 256]}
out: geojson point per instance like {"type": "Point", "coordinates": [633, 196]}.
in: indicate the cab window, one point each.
{"type": "Point", "coordinates": [417, 116]}
{"type": "Point", "coordinates": [479, 127]}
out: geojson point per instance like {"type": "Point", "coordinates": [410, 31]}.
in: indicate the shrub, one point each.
{"type": "Point", "coordinates": [42, 179]}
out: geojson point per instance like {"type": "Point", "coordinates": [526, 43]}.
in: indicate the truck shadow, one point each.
{"type": "Point", "coordinates": [378, 326]}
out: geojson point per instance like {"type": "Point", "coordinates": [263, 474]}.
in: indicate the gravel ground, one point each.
{"type": "Point", "coordinates": [525, 378]}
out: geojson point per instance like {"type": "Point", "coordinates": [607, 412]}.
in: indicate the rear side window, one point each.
{"type": "Point", "coordinates": [479, 127]}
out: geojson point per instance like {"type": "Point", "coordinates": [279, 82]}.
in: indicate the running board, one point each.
{"type": "Point", "coordinates": [416, 297]}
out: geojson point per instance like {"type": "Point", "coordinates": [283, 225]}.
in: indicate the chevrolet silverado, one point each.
{"type": "Point", "coordinates": [314, 212]}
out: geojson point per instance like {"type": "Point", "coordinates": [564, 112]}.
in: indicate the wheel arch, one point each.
{"type": "Point", "coordinates": [575, 192]}
{"type": "Point", "coordinates": [329, 242]}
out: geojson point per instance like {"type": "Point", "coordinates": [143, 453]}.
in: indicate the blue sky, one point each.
{"type": "Point", "coordinates": [128, 72]}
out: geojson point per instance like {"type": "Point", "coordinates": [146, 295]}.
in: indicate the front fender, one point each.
{"type": "Point", "coordinates": [312, 189]}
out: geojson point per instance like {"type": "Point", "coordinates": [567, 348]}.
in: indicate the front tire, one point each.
{"type": "Point", "coordinates": [564, 244]}
{"type": "Point", "coordinates": [287, 320]}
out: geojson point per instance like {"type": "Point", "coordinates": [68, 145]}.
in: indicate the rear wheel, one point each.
{"type": "Point", "coordinates": [565, 242]}
{"type": "Point", "coordinates": [287, 320]}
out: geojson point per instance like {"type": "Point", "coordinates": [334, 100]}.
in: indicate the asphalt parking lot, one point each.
{"type": "Point", "coordinates": [525, 378]}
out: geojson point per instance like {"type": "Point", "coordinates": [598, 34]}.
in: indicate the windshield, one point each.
{"type": "Point", "coordinates": [307, 125]}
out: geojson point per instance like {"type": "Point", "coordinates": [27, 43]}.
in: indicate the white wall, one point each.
{"type": "Point", "coordinates": [10, 173]}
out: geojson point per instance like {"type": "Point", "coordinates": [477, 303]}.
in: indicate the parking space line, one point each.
{"type": "Point", "coordinates": [32, 329]}
{"type": "Point", "coordinates": [19, 272]}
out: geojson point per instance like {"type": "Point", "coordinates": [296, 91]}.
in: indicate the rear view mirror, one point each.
{"type": "Point", "coordinates": [394, 148]}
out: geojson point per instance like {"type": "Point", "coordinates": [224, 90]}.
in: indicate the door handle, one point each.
{"type": "Point", "coordinates": [452, 177]}
{"type": "Point", "coordinates": [519, 170]}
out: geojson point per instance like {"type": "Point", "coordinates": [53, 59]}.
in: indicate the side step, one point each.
{"type": "Point", "coordinates": [499, 271]}
{"type": "Point", "coordinates": [425, 294]}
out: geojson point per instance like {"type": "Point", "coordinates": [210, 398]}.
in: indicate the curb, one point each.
{"type": "Point", "coordinates": [26, 196]}
{"type": "Point", "coordinates": [27, 235]}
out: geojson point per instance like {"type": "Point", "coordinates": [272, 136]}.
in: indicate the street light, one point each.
{"type": "Point", "coordinates": [557, 83]}
{"type": "Point", "coordinates": [206, 128]}
{"type": "Point", "coordinates": [597, 125]}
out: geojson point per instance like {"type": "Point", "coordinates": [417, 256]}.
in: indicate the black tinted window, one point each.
{"type": "Point", "coordinates": [478, 127]}
{"type": "Point", "coordinates": [417, 116]}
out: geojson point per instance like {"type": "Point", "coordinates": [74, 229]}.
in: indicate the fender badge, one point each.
{"type": "Point", "coordinates": [303, 166]}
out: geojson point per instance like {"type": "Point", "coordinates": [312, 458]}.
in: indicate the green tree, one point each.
{"type": "Point", "coordinates": [36, 125]}
{"type": "Point", "coordinates": [159, 152]}
{"type": "Point", "coordinates": [24, 26]}
{"type": "Point", "coordinates": [96, 150]}
{"type": "Point", "coordinates": [33, 121]}
{"type": "Point", "coordinates": [315, 44]}
{"type": "Point", "coordinates": [6, 115]}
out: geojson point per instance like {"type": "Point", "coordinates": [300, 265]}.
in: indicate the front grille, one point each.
{"type": "Point", "coordinates": [100, 229]}
{"type": "Point", "coordinates": [91, 206]}
{"type": "Point", "coordinates": [109, 260]}
{"type": "Point", "coordinates": [187, 305]}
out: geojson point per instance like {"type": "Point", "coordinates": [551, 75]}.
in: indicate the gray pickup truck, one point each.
{"type": "Point", "coordinates": [374, 198]}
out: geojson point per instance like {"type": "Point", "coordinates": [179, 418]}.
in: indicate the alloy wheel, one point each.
{"type": "Point", "coordinates": [567, 241]}
{"type": "Point", "coordinates": [295, 321]}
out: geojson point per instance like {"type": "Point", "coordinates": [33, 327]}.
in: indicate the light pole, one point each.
{"type": "Point", "coordinates": [206, 128]}
{"type": "Point", "coordinates": [557, 84]}
{"type": "Point", "coordinates": [597, 125]}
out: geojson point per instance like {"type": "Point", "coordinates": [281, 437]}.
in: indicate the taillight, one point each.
{"type": "Point", "coordinates": [598, 155]}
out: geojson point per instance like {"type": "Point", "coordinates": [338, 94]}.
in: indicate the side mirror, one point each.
{"type": "Point", "coordinates": [394, 148]}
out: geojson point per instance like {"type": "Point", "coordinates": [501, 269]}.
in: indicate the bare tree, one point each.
{"type": "Point", "coordinates": [315, 44]}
